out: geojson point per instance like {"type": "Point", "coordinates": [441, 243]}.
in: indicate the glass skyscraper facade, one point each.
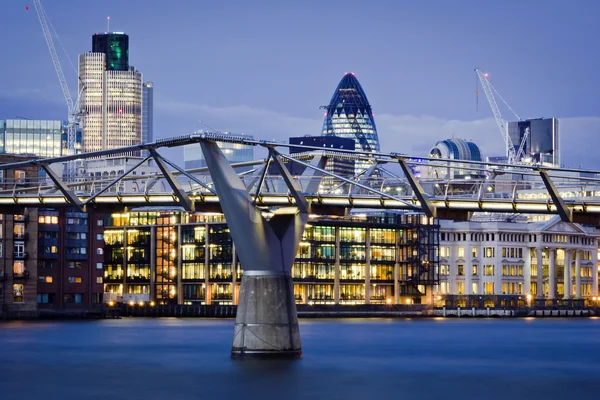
{"type": "Point", "coordinates": [147, 112]}
{"type": "Point", "coordinates": [42, 138]}
{"type": "Point", "coordinates": [115, 45]}
{"type": "Point", "coordinates": [349, 115]}
{"type": "Point", "coordinates": [112, 100]}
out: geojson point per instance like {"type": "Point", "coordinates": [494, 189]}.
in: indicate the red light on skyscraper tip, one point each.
{"type": "Point", "coordinates": [486, 74]}
{"type": "Point", "coordinates": [26, 8]}
{"type": "Point", "coordinates": [352, 73]}
{"type": "Point", "coordinates": [120, 110]}
{"type": "Point", "coordinates": [345, 73]}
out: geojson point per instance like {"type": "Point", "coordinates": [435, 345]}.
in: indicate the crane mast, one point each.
{"type": "Point", "coordinates": [73, 113]}
{"type": "Point", "coordinates": [487, 88]}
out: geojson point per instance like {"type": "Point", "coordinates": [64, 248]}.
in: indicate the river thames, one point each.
{"type": "Point", "coordinates": [343, 359]}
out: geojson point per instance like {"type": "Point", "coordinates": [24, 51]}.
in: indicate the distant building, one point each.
{"type": "Point", "coordinates": [510, 264]}
{"type": "Point", "coordinates": [337, 164]}
{"type": "Point", "coordinates": [349, 115]}
{"type": "Point", "coordinates": [454, 149]}
{"type": "Point", "coordinates": [42, 138]}
{"type": "Point", "coordinates": [147, 112]}
{"type": "Point", "coordinates": [112, 99]}
{"type": "Point", "coordinates": [48, 258]}
{"type": "Point", "coordinates": [543, 142]}
{"type": "Point", "coordinates": [189, 258]}
{"type": "Point", "coordinates": [115, 46]}
{"type": "Point", "coordinates": [107, 169]}
{"type": "Point", "coordinates": [233, 152]}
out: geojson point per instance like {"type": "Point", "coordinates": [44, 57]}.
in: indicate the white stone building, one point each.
{"type": "Point", "coordinates": [506, 264]}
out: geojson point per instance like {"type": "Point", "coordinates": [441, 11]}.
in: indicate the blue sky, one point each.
{"type": "Point", "coordinates": [265, 67]}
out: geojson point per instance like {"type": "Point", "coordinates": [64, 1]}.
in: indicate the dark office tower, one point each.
{"type": "Point", "coordinates": [343, 166]}
{"type": "Point", "coordinates": [115, 46]}
{"type": "Point", "coordinates": [542, 143]}
{"type": "Point", "coordinates": [349, 115]}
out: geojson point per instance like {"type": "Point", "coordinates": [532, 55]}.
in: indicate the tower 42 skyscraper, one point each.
{"type": "Point", "coordinates": [112, 96]}
{"type": "Point", "coordinates": [349, 115]}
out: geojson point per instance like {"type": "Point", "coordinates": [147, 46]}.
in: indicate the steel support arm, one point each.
{"type": "Point", "coordinates": [68, 193]}
{"type": "Point", "coordinates": [317, 176]}
{"type": "Point", "coordinates": [184, 199]}
{"type": "Point", "coordinates": [422, 196]}
{"type": "Point", "coordinates": [565, 213]}
{"type": "Point", "coordinates": [289, 181]}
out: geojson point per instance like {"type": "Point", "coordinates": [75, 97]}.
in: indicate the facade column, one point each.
{"type": "Point", "coordinates": [367, 266]}
{"type": "Point", "coordinates": [336, 273]}
{"type": "Point", "coordinates": [207, 291]}
{"type": "Point", "coordinates": [397, 270]}
{"type": "Point", "coordinates": [567, 275]}
{"type": "Point", "coordinates": [527, 271]}
{"type": "Point", "coordinates": [468, 269]}
{"type": "Point", "coordinates": [152, 260]}
{"type": "Point", "coordinates": [234, 294]}
{"type": "Point", "coordinates": [540, 274]}
{"type": "Point", "coordinates": [578, 274]}
{"type": "Point", "coordinates": [594, 273]}
{"type": "Point", "coordinates": [552, 274]}
{"type": "Point", "coordinates": [178, 274]}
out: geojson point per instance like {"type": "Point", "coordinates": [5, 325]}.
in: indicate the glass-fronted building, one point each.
{"type": "Point", "coordinates": [543, 142]}
{"type": "Point", "coordinates": [233, 152]}
{"type": "Point", "coordinates": [42, 138]}
{"type": "Point", "coordinates": [183, 258]}
{"type": "Point", "coordinates": [115, 45]}
{"type": "Point", "coordinates": [349, 115]}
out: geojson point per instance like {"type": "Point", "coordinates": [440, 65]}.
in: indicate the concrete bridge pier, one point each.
{"type": "Point", "coordinates": [267, 322]}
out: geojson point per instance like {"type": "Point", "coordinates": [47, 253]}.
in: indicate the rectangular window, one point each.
{"type": "Point", "coordinates": [461, 269]}
{"type": "Point", "coordinates": [100, 222]}
{"type": "Point", "coordinates": [18, 293]}
{"type": "Point", "coordinates": [474, 286]}
{"type": "Point", "coordinates": [474, 252]}
{"type": "Point", "coordinates": [488, 270]}
{"type": "Point", "coordinates": [99, 236]}
{"type": "Point", "coordinates": [99, 265]}
{"type": "Point", "coordinates": [461, 252]}
{"type": "Point", "coordinates": [488, 288]}
{"type": "Point", "coordinates": [78, 297]}
{"type": "Point", "coordinates": [489, 252]}
{"type": "Point", "coordinates": [99, 279]}
{"type": "Point", "coordinates": [461, 288]}
{"type": "Point", "coordinates": [474, 270]}
{"type": "Point", "coordinates": [99, 251]}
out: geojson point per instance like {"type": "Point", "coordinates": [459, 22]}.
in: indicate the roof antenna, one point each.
{"type": "Point", "coordinates": [108, 24]}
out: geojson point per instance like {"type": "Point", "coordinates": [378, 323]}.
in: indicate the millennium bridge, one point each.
{"type": "Point", "coordinates": [267, 203]}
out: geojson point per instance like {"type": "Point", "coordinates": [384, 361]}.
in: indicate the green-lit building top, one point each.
{"type": "Point", "coordinates": [115, 46]}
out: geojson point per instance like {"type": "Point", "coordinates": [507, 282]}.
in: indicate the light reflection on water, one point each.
{"type": "Point", "coordinates": [346, 359]}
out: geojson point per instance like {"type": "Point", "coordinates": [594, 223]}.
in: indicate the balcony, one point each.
{"type": "Point", "coordinates": [20, 255]}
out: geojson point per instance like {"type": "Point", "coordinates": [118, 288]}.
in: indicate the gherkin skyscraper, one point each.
{"type": "Point", "coordinates": [349, 115]}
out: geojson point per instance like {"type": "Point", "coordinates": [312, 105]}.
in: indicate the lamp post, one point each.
{"type": "Point", "coordinates": [528, 300]}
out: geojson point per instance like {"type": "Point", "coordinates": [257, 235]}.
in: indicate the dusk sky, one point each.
{"type": "Point", "coordinates": [265, 67]}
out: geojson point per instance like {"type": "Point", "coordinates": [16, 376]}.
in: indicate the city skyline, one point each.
{"type": "Point", "coordinates": [417, 71]}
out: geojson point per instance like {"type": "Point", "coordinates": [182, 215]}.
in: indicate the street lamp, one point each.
{"type": "Point", "coordinates": [528, 300]}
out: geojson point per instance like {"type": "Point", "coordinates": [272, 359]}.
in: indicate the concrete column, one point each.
{"type": "Point", "coordinates": [527, 271]}
{"type": "Point", "coordinates": [266, 324]}
{"type": "Point", "coordinates": [540, 274]}
{"type": "Point", "coordinates": [336, 276]}
{"type": "Point", "coordinates": [396, 283]}
{"type": "Point", "coordinates": [578, 274]}
{"type": "Point", "coordinates": [468, 269]}
{"type": "Point", "coordinates": [567, 275]}
{"type": "Point", "coordinates": [207, 291]}
{"type": "Point", "coordinates": [552, 274]}
{"type": "Point", "coordinates": [368, 266]}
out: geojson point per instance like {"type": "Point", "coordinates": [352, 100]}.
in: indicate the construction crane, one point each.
{"type": "Point", "coordinates": [72, 107]}
{"type": "Point", "coordinates": [513, 156]}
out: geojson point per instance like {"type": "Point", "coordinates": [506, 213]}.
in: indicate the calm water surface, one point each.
{"type": "Point", "coordinates": [343, 359]}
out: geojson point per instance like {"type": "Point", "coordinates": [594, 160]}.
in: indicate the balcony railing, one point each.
{"type": "Point", "coordinates": [20, 255]}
